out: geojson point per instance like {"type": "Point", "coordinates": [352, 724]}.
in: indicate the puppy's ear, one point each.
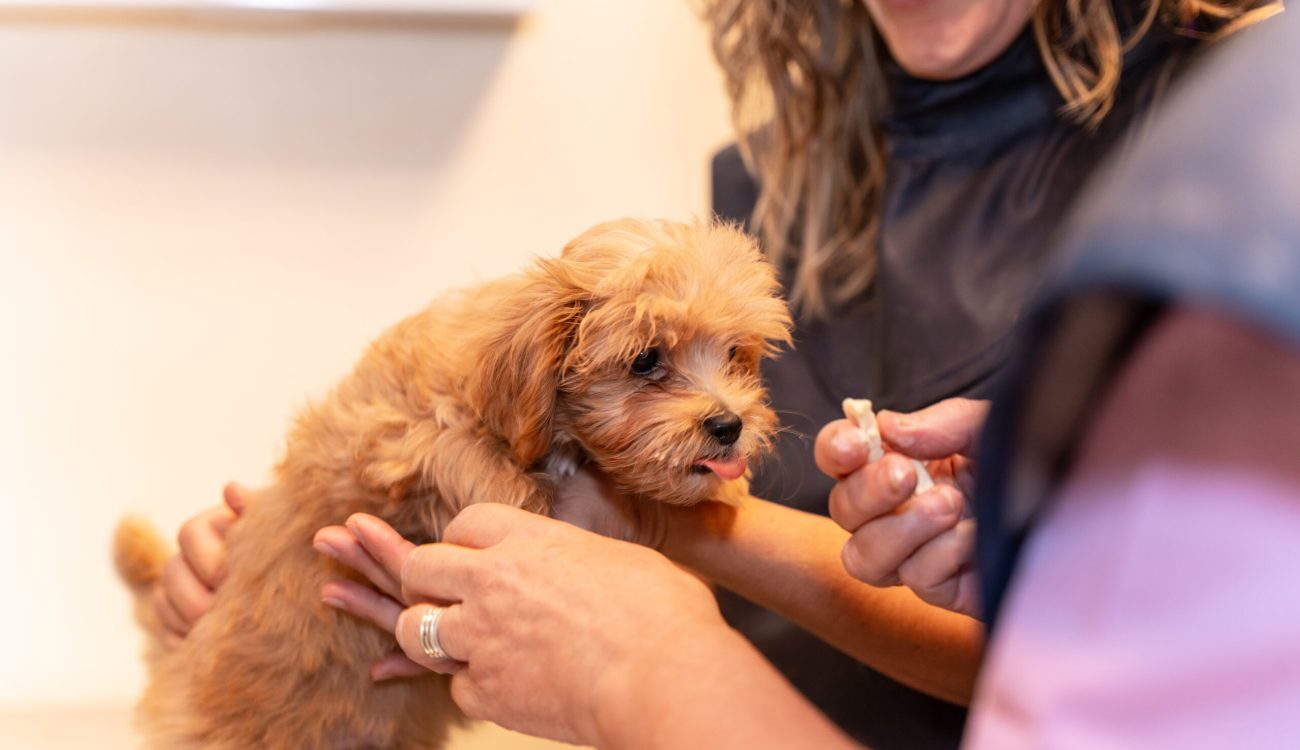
{"type": "Point", "coordinates": [515, 382]}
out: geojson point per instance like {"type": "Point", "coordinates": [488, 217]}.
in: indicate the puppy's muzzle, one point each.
{"type": "Point", "coordinates": [725, 427]}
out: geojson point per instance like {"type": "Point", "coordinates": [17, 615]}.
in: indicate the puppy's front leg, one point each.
{"type": "Point", "coordinates": [467, 466]}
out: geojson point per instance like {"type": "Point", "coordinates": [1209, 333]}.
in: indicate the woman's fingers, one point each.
{"type": "Point", "coordinates": [381, 541]}
{"type": "Point", "coordinates": [370, 605]}
{"type": "Point", "coordinates": [202, 542]}
{"type": "Point", "coordinates": [896, 537]}
{"type": "Point", "coordinates": [408, 637]}
{"type": "Point", "coordinates": [363, 602]}
{"type": "Point", "coordinates": [237, 497]}
{"type": "Point", "coordinates": [875, 551]}
{"type": "Point", "coordinates": [190, 596]}
{"type": "Point", "coordinates": [429, 572]}
{"type": "Point", "coordinates": [486, 524]}
{"type": "Point", "coordinates": [187, 581]}
{"type": "Point", "coordinates": [872, 491]}
{"type": "Point", "coordinates": [950, 427]}
{"type": "Point", "coordinates": [202, 539]}
{"type": "Point", "coordinates": [439, 572]}
{"type": "Point", "coordinates": [343, 545]}
{"type": "Point", "coordinates": [932, 571]}
{"type": "Point", "coordinates": [840, 449]}
{"type": "Point", "coordinates": [397, 665]}
{"type": "Point", "coordinates": [174, 625]}
{"type": "Point", "coordinates": [941, 559]}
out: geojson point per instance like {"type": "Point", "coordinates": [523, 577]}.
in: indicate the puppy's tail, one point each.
{"type": "Point", "coordinates": [138, 554]}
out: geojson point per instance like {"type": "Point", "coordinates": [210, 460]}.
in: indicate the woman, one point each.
{"type": "Point", "coordinates": [922, 194]}
{"type": "Point", "coordinates": [1139, 496]}
{"type": "Point", "coordinates": [936, 172]}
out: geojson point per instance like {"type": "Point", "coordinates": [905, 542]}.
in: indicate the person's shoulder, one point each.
{"type": "Point", "coordinates": [1204, 204]}
{"type": "Point", "coordinates": [1229, 124]}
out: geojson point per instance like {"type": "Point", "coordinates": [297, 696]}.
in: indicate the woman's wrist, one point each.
{"type": "Point", "coordinates": [688, 530]}
{"type": "Point", "coordinates": [790, 562]}
{"type": "Point", "coordinates": [632, 695]}
{"type": "Point", "coordinates": [666, 695]}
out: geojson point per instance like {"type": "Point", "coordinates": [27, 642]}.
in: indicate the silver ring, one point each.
{"type": "Point", "coordinates": [429, 633]}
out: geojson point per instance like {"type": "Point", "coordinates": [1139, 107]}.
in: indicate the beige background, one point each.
{"type": "Point", "coordinates": [202, 225]}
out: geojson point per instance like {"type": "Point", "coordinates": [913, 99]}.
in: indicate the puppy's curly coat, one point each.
{"type": "Point", "coordinates": [636, 350]}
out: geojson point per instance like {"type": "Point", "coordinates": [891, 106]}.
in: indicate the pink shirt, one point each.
{"type": "Point", "coordinates": [1157, 605]}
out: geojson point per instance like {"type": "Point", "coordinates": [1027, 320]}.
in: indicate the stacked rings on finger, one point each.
{"type": "Point", "coordinates": [429, 633]}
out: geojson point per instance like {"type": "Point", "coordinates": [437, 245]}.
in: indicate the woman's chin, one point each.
{"type": "Point", "coordinates": [943, 43]}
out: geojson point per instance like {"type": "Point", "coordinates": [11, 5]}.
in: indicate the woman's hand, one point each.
{"type": "Point", "coordinates": [548, 624]}
{"type": "Point", "coordinates": [921, 541]}
{"type": "Point", "coordinates": [188, 580]}
{"type": "Point", "coordinates": [586, 500]}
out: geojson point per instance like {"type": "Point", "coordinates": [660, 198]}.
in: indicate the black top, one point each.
{"type": "Point", "coordinates": [981, 171]}
{"type": "Point", "coordinates": [1220, 231]}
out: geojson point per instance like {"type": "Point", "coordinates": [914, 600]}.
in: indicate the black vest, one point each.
{"type": "Point", "coordinates": [981, 172]}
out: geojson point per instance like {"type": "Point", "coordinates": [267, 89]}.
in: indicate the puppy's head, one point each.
{"type": "Point", "coordinates": [651, 349]}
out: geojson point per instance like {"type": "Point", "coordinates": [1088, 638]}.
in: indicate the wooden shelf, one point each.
{"type": "Point", "coordinates": [503, 9]}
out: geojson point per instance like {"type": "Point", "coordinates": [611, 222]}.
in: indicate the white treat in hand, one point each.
{"type": "Point", "coordinates": [859, 410]}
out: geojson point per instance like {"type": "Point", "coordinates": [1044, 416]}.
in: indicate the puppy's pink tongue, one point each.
{"type": "Point", "coordinates": [728, 469]}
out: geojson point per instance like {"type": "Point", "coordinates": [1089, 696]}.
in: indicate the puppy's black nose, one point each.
{"type": "Point", "coordinates": [725, 427]}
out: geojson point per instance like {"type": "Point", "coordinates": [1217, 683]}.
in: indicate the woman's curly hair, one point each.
{"type": "Point", "coordinates": [806, 85]}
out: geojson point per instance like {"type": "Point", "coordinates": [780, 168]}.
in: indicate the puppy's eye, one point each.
{"type": "Point", "coordinates": [732, 352]}
{"type": "Point", "coordinates": [645, 362]}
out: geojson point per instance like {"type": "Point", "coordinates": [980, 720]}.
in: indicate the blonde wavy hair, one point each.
{"type": "Point", "coordinates": [806, 84]}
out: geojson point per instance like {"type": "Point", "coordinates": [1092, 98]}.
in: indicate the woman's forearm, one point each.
{"type": "Point", "coordinates": [710, 688]}
{"type": "Point", "coordinates": [789, 561]}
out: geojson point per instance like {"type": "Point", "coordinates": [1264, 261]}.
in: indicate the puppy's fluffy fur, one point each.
{"type": "Point", "coordinates": [488, 395]}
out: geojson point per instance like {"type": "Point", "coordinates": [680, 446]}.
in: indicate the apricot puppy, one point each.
{"type": "Point", "coordinates": [636, 350]}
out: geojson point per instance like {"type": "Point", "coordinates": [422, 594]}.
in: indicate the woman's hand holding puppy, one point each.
{"type": "Point", "coordinates": [187, 581]}
{"type": "Point", "coordinates": [920, 541]}
{"type": "Point", "coordinates": [553, 629]}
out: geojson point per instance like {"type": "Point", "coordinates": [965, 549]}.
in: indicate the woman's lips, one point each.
{"type": "Point", "coordinates": [726, 468]}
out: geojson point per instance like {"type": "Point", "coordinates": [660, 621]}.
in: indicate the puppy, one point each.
{"type": "Point", "coordinates": [636, 351]}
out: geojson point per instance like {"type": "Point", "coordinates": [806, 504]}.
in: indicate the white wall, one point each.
{"type": "Point", "coordinates": [201, 227]}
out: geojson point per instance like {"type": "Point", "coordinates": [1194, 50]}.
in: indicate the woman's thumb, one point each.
{"type": "Point", "coordinates": [939, 430]}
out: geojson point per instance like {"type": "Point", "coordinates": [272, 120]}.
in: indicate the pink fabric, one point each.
{"type": "Point", "coordinates": [1157, 605]}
